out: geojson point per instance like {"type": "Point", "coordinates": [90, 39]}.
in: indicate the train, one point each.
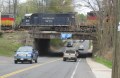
{"type": "Point", "coordinates": [52, 21]}
{"type": "Point", "coordinates": [7, 21]}
{"type": "Point", "coordinates": [92, 19]}
{"type": "Point", "coordinates": [91, 23]}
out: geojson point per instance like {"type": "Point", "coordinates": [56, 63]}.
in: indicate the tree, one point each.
{"type": "Point", "coordinates": [81, 18]}
{"type": "Point", "coordinates": [60, 6]}
{"type": "Point", "coordinates": [116, 61]}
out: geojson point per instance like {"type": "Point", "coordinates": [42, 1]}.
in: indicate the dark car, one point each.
{"type": "Point", "coordinates": [26, 53]}
{"type": "Point", "coordinates": [70, 44]}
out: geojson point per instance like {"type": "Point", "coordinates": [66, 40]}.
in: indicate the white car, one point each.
{"type": "Point", "coordinates": [70, 55]}
{"type": "Point", "coordinates": [81, 47]}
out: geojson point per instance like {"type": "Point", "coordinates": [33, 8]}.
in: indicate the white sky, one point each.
{"type": "Point", "coordinates": [78, 9]}
{"type": "Point", "coordinates": [22, 1]}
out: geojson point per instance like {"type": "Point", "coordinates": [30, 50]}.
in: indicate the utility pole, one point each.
{"type": "Point", "coordinates": [9, 6]}
{"type": "Point", "coordinates": [26, 8]}
{"type": "Point", "coordinates": [43, 6]}
{"type": "Point", "coordinates": [15, 10]}
{"type": "Point", "coordinates": [116, 53]}
{"type": "Point", "coordinates": [40, 6]}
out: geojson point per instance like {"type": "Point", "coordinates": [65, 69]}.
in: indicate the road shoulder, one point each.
{"type": "Point", "coordinates": [99, 70]}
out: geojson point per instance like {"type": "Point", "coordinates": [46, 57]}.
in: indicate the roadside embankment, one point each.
{"type": "Point", "coordinates": [9, 42]}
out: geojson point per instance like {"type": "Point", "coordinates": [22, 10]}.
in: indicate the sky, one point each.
{"type": "Point", "coordinates": [22, 1]}
{"type": "Point", "coordinates": [81, 9]}
{"type": "Point", "coordinates": [78, 9]}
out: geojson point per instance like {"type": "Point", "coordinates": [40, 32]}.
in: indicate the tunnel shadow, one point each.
{"type": "Point", "coordinates": [55, 54]}
{"type": "Point", "coordinates": [51, 54]}
{"type": "Point", "coordinates": [43, 47]}
{"type": "Point", "coordinates": [85, 55]}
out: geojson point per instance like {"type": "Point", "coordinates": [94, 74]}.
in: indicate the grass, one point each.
{"type": "Point", "coordinates": [104, 62]}
{"type": "Point", "coordinates": [56, 43]}
{"type": "Point", "coordinates": [90, 44]}
{"type": "Point", "coordinates": [9, 43]}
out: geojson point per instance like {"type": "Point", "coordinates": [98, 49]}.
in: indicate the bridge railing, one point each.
{"type": "Point", "coordinates": [36, 33]}
{"type": "Point", "coordinates": [86, 29]}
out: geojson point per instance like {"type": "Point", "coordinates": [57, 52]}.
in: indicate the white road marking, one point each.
{"type": "Point", "coordinates": [73, 74]}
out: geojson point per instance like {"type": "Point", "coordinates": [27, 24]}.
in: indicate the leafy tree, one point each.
{"type": "Point", "coordinates": [47, 6]}
{"type": "Point", "coordinates": [60, 6]}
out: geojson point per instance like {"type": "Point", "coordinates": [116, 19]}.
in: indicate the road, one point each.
{"type": "Point", "coordinates": [78, 43]}
{"type": "Point", "coordinates": [47, 67]}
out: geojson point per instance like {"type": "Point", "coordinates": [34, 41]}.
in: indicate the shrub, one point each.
{"type": "Point", "coordinates": [56, 42]}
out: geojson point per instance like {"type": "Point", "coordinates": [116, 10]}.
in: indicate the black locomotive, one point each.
{"type": "Point", "coordinates": [58, 21]}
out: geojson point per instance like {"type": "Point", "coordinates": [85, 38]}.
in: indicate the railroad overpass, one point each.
{"type": "Point", "coordinates": [42, 38]}
{"type": "Point", "coordinates": [45, 26]}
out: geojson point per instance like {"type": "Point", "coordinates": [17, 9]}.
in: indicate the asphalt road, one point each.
{"type": "Point", "coordinates": [47, 67]}
{"type": "Point", "coordinates": [78, 43]}
{"type": "Point", "coordinates": [76, 46]}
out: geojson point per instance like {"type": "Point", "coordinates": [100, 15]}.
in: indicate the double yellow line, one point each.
{"type": "Point", "coordinates": [26, 69]}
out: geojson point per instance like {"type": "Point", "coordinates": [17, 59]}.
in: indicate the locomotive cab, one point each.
{"type": "Point", "coordinates": [26, 19]}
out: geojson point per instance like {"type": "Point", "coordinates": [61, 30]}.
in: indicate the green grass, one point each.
{"type": "Point", "coordinates": [90, 44]}
{"type": "Point", "coordinates": [9, 44]}
{"type": "Point", "coordinates": [56, 43]}
{"type": "Point", "coordinates": [104, 62]}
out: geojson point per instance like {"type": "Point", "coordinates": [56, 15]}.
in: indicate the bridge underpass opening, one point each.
{"type": "Point", "coordinates": [42, 45]}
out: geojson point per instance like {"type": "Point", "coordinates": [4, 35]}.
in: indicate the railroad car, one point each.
{"type": "Point", "coordinates": [58, 21]}
{"type": "Point", "coordinates": [90, 24]}
{"type": "Point", "coordinates": [7, 22]}
{"type": "Point", "coordinates": [91, 19]}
